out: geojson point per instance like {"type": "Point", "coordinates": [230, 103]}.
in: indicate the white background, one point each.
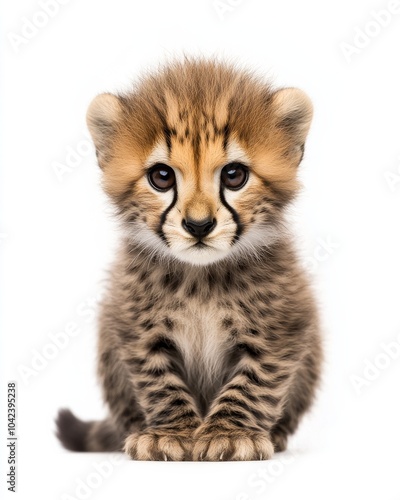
{"type": "Point", "coordinates": [57, 235]}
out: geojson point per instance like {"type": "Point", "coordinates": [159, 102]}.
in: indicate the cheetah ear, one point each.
{"type": "Point", "coordinates": [293, 110]}
{"type": "Point", "coordinates": [103, 117]}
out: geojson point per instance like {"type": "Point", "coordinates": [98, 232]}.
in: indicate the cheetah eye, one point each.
{"type": "Point", "coordinates": [161, 177]}
{"type": "Point", "coordinates": [234, 175]}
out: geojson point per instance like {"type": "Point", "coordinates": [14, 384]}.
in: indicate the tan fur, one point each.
{"type": "Point", "coordinates": [210, 352]}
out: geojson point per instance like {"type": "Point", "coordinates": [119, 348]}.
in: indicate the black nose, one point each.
{"type": "Point", "coordinates": [199, 228]}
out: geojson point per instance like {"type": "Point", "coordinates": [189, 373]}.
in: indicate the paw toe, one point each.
{"type": "Point", "coordinates": [154, 446]}
{"type": "Point", "coordinates": [240, 446]}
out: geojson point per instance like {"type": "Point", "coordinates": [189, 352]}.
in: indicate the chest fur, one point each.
{"type": "Point", "coordinates": [205, 345]}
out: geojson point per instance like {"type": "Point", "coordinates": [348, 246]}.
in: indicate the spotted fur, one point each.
{"type": "Point", "coordinates": [211, 351]}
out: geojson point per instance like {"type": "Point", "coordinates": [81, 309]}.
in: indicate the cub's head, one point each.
{"type": "Point", "coordinates": [201, 159]}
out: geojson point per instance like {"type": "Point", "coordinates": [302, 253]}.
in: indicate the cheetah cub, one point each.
{"type": "Point", "coordinates": [209, 346]}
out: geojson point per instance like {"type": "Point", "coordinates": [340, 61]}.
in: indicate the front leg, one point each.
{"type": "Point", "coordinates": [169, 408]}
{"type": "Point", "coordinates": [238, 425]}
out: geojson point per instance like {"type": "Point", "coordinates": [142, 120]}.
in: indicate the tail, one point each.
{"type": "Point", "coordinates": [77, 435]}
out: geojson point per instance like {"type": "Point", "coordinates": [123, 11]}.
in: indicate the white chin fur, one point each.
{"type": "Point", "coordinates": [198, 256]}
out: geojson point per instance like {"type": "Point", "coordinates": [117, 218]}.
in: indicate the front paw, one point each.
{"type": "Point", "coordinates": [214, 444]}
{"type": "Point", "coordinates": [159, 444]}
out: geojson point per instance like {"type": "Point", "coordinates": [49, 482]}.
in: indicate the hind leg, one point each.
{"type": "Point", "coordinates": [126, 414]}
{"type": "Point", "coordinates": [300, 398]}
